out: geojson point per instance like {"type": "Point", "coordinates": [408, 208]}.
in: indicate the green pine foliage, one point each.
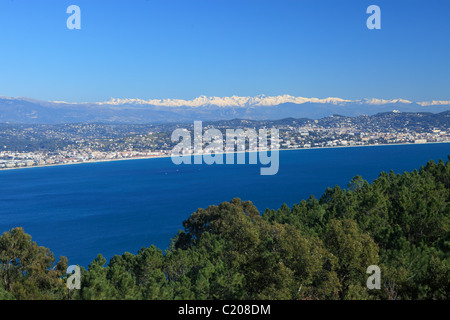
{"type": "Point", "coordinates": [318, 249]}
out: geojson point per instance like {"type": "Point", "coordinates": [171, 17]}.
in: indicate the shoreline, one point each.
{"type": "Point", "coordinates": [83, 162]}
{"type": "Point", "coordinates": [168, 156]}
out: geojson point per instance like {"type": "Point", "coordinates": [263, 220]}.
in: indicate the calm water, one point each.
{"type": "Point", "coordinates": [109, 208]}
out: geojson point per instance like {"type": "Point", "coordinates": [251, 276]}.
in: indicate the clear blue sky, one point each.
{"type": "Point", "coordinates": [186, 48]}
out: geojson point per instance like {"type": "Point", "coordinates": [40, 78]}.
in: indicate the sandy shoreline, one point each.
{"type": "Point", "coordinates": [84, 162]}
{"type": "Point", "coordinates": [168, 156]}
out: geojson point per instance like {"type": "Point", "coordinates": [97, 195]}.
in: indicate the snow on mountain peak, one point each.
{"type": "Point", "coordinates": [237, 101]}
{"type": "Point", "coordinates": [233, 101]}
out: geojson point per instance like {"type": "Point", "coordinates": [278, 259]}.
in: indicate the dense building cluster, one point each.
{"type": "Point", "coordinates": [37, 145]}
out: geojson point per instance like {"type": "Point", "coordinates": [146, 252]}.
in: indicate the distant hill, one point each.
{"type": "Point", "coordinates": [28, 111]}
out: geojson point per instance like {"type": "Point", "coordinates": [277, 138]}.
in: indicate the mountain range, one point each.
{"type": "Point", "coordinates": [29, 111]}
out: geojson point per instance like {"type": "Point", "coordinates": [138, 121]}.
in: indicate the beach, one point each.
{"type": "Point", "coordinates": [197, 154]}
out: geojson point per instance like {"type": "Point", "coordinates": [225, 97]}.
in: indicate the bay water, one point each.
{"type": "Point", "coordinates": [112, 207]}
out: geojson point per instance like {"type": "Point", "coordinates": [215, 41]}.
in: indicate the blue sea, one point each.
{"type": "Point", "coordinates": [113, 207]}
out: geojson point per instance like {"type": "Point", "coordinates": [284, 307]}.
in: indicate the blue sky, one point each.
{"type": "Point", "coordinates": [153, 49]}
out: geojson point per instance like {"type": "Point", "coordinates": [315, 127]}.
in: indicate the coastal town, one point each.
{"type": "Point", "coordinates": [42, 145]}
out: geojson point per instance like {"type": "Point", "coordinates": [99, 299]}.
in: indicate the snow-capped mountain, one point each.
{"type": "Point", "coordinates": [234, 101]}
{"type": "Point", "coordinates": [25, 110]}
